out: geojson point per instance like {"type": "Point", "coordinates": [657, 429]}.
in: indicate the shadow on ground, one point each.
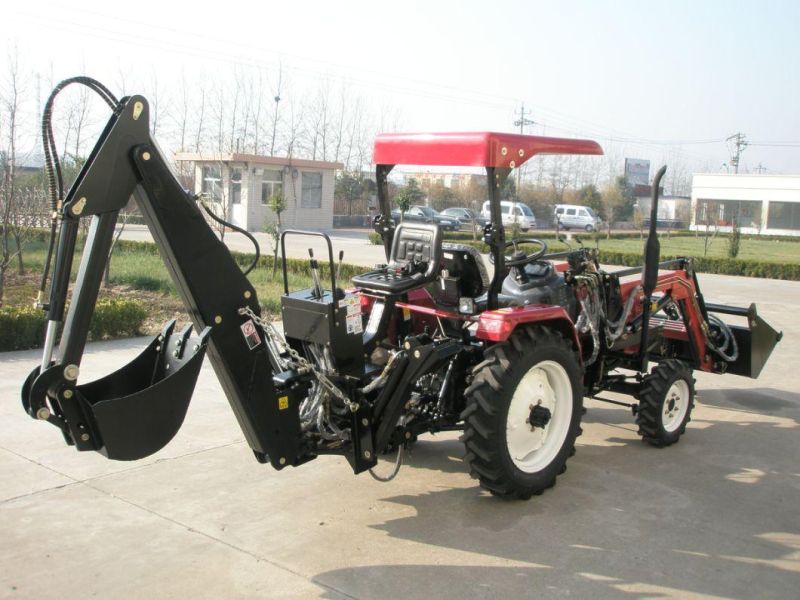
{"type": "Point", "coordinates": [584, 538]}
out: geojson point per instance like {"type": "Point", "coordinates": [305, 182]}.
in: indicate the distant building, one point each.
{"type": "Point", "coordinates": [768, 204]}
{"type": "Point", "coordinates": [672, 210]}
{"type": "Point", "coordinates": [456, 181]}
{"type": "Point", "coordinates": [241, 185]}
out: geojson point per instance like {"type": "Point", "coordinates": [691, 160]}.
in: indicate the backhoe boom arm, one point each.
{"type": "Point", "coordinates": [126, 161]}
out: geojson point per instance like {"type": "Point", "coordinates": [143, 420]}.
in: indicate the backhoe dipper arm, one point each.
{"type": "Point", "coordinates": [126, 161]}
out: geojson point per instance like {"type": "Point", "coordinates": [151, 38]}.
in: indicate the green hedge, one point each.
{"type": "Point", "coordinates": [22, 327]}
{"type": "Point", "coordinates": [720, 266]}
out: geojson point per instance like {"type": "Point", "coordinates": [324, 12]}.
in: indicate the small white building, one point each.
{"type": "Point", "coordinates": [241, 185]}
{"type": "Point", "coordinates": [671, 209]}
{"type": "Point", "coordinates": [762, 204]}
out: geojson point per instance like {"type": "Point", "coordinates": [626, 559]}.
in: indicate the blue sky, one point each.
{"type": "Point", "coordinates": [648, 78]}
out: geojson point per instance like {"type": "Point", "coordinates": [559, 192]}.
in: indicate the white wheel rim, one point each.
{"type": "Point", "coordinates": [676, 404]}
{"type": "Point", "coordinates": [547, 385]}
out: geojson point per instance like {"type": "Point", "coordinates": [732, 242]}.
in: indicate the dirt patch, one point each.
{"type": "Point", "coordinates": [20, 290]}
{"type": "Point", "coordinates": [160, 307]}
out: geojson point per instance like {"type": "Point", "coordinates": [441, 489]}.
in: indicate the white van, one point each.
{"type": "Point", "coordinates": [574, 216]}
{"type": "Point", "coordinates": [513, 212]}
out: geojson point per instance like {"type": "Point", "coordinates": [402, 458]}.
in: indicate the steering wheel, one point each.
{"type": "Point", "coordinates": [519, 258]}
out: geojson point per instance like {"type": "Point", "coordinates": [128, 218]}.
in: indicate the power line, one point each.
{"type": "Point", "coordinates": [480, 98]}
{"type": "Point", "coordinates": [246, 56]}
{"type": "Point", "coordinates": [775, 144]}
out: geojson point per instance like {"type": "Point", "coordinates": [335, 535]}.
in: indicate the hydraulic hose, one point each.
{"type": "Point", "coordinates": [237, 229]}
{"type": "Point", "coordinates": [55, 179]}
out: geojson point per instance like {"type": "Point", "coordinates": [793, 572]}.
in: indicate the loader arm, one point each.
{"type": "Point", "coordinates": [127, 162]}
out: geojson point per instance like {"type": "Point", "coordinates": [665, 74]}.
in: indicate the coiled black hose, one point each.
{"type": "Point", "coordinates": [55, 178]}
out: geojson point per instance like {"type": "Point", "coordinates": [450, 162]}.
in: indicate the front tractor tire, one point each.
{"type": "Point", "coordinates": [523, 412]}
{"type": "Point", "coordinates": [666, 399]}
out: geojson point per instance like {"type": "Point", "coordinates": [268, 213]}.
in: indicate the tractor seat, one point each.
{"type": "Point", "coordinates": [413, 262]}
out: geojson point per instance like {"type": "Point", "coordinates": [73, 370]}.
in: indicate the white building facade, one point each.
{"type": "Point", "coordinates": [761, 204]}
{"type": "Point", "coordinates": [241, 185]}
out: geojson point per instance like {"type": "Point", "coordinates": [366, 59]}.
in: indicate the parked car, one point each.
{"type": "Point", "coordinates": [425, 214]}
{"type": "Point", "coordinates": [513, 212]}
{"type": "Point", "coordinates": [579, 217]}
{"type": "Point", "coordinates": [466, 216]}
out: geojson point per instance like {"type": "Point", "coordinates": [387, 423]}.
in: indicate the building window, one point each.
{"type": "Point", "coordinates": [783, 215]}
{"type": "Point", "coordinates": [212, 183]}
{"type": "Point", "coordinates": [311, 196]}
{"type": "Point", "coordinates": [236, 186]}
{"type": "Point", "coordinates": [271, 184]}
{"type": "Point", "coordinates": [747, 213]}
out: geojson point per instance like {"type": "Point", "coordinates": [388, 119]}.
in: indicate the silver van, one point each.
{"type": "Point", "coordinates": [513, 212]}
{"type": "Point", "coordinates": [569, 216]}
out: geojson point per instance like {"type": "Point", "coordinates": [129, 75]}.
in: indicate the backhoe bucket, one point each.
{"type": "Point", "coordinates": [138, 409]}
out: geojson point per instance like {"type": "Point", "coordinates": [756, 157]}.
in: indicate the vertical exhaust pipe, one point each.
{"type": "Point", "coordinates": [652, 256]}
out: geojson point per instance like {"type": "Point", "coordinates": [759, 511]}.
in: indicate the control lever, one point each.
{"type": "Point", "coordinates": [339, 266]}
{"type": "Point", "coordinates": [315, 274]}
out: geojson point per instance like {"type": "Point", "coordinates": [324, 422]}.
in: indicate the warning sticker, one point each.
{"type": "Point", "coordinates": [283, 402]}
{"type": "Point", "coordinates": [354, 324]}
{"type": "Point", "coordinates": [250, 334]}
{"type": "Point", "coordinates": [353, 305]}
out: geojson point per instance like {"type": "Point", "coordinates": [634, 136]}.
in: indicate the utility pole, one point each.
{"type": "Point", "coordinates": [739, 143]}
{"type": "Point", "coordinates": [521, 123]}
{"type": "Point", "coordinates": [760, 169]}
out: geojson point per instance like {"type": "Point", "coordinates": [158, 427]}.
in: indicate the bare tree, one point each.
{"type": "Point", "coordinates": [257, 109]}
{"type": "Point", "coordinates": [294, 128]}
{"type": "Point", "coordinates": [318, 116]}
{"type": "Point", "coordinates": [233, 112]}
{"type": "Point", "coordinates": [219, 109]}
{"type": "Point", "coordinates": [201, 113]}
{"type": "Point", "coordinates": [77, 120]}
{"type": "Point", "coordinates": [10, 236]}
{"type": "Point", "coordinates": [122, 221]}
{"type": "Point", "coordinates": [181, 114]}
{"type": "Point", "coordinates": [613, 199]}
{"type": "Point", "coordinates": [340, 118]}
{"type": "Point", "coordinates": [277, 90]}
{"type": "Point", "coordinates": [708, 213]}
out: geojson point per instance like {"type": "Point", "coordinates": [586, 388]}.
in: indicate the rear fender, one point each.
{"type": "Point", "coordinates": [498, 325]}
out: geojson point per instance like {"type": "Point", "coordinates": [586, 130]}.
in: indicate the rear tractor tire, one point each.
{"type": "Point", "coordinates": [666, 399]}
{"type": "Point", "coordinates": [523, 412]}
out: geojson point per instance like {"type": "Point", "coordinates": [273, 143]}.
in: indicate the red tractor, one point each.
{"type": "Point", "coordinates": [426, 342]}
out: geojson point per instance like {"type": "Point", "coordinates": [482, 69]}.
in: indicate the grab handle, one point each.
{"type": "Point", "coordinates": [330, 259]}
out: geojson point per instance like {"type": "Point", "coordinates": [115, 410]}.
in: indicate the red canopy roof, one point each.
{"type": "Point", "coordinates": [478, 149]}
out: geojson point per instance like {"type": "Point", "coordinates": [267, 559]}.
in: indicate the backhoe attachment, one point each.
{"type": "Point", "coordinates": [136, 410]}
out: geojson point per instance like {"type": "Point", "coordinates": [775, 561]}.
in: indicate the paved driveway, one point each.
{"type": "Point", "coordinates": [717, 515]}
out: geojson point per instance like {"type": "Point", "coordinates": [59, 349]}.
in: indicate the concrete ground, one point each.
{"type": "Point", "coordinates": [716, 515]}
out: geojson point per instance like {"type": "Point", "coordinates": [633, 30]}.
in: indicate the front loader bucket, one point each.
{"type": "Point", "coordinates": [755, 342]}
{"type": "Point", "coordinates": [136, 410]}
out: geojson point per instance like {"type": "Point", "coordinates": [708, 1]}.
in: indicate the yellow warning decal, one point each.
{"type": "Point", "coordinates": [283, 402]}
{"type": "Point", "coordinates": [406, 314]}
